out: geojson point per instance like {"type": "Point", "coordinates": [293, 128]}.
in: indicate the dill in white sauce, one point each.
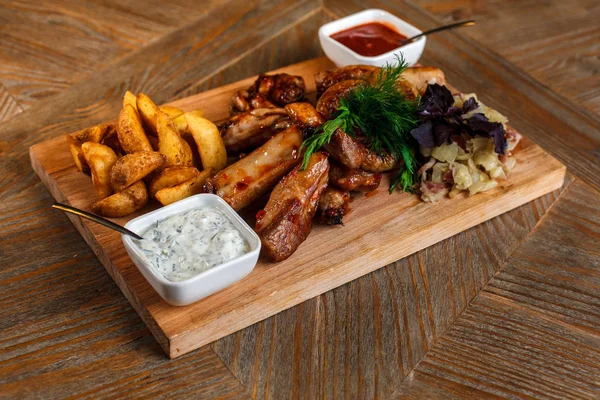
{"type": "Point", "coordinates": [186, 244]}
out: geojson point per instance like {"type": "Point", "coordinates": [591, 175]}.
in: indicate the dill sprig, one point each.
{"type": "Point", "coordinates": [385, 116]}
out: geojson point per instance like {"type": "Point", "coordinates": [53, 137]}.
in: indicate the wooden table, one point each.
{"type": "Point", "coordinates": [510, 308]}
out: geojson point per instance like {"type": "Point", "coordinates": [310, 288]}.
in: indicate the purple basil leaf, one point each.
{"type": "Point", "coordinates": [469, 105]}
{"type": "Point", "coordinates": [442, 133]}
{"type": "Point", "coordinates": [481, 126]}
{"type": "Point", "coordinates": [477, 117]}
{"type": "Point", "coordinates": [424, 134]}
{"type": "Point", "coordinates": [436, 101]}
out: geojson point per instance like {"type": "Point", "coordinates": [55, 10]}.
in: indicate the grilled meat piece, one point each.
{"type": "Point", "coordinates": [349, 179]}
{"type": "Point", "coordinates": [305, 115]}
{"type": "Point", "coordinates": [417, 77]}
{"type": "Point", "coordinates": [269, 91]}
{"type": "Point", "coordinates": [344, 149]}
{"type": "Point", "coordinates": [256, 174]}
{"type": "Point", "coordinates": [333, 205]}
{"type": "Point", "coordinates": [374, 162]}
{"type": "Point", "coordinates": [286, 220]}
{"type": "Point", "coordinates": [288, 89]}
{"type": "Point", "coordinates": [327, 79]}
{"type": "Point", "coordinates": [329, 102]}
{"type": "Point", "coordinates": [252, 128]}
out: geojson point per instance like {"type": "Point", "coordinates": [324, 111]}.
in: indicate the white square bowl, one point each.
{"type": "Point", "coordinates": [342, 55]}
{"type": "Point", "coordinates": [207, 282]}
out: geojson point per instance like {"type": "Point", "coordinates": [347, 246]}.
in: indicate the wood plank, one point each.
{"type": "Point", "coordinates": [48, 46]}
{"type": "Point", "coordinates": [8, 106]}
{"type": "Point", "coordinates": [534, 330]}
{"type": "Point", "coordinates": [270, 289]}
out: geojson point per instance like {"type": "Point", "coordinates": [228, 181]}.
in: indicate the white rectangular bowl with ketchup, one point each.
{"type": "Point", "coordinates": [343, 55]}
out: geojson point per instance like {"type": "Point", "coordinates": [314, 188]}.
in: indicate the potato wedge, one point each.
{"type": "Point", "coordinates": [188, 159]}
{"type": "Point", "coordinates": [148, 112]}
{"type": "Point", "coordinates": [102, 133]}
{"type": "Point", "coordinates": [101, 160]}
{"type": "Point", "coordinates": [171, 144]}
{"type": "Point", "coordinates": [181, 123]}
{"type": "Point", "coordinates": [171, 176]}
{"type": "Point", "coordinates": [77, 153]}
{"type": "Point", "coordinates": [120, 204]}
{"type": "Point", "coordinates": [130, 131]}
{"type": "Point", "coordinates": [208, 139]}
{"type": "Point", "coordinates": [171, 111]}
{"type": "Point", "coordinates": [186, 189]}
{"type": "Point", "coordinates": [111, 139]}
{"type": "Point", "coordinates": [131, 99]}
{"type": "Point", "coordinates": [134, 167]}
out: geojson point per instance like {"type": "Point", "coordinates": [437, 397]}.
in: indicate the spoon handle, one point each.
{"type": "Point", "coordinates": [439, 29]}
{"type": "Point", "coordinates": [97, 219]}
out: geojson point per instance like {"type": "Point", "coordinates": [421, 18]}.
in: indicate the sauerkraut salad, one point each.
{"type": "Point", "coordinates": [466, 145]}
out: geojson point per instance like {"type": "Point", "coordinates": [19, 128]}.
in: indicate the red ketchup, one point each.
{"type": "Point", "coordinates": [371, 39]}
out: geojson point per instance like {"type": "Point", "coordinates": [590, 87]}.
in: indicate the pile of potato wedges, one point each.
{"type": "Point", "coordinates": [150, 152]}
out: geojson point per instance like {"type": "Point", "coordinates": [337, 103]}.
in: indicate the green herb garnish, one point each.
{"type": "Point", "coordinates": [383, 113]}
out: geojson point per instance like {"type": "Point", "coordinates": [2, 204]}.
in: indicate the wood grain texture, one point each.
{"type": "Point", "coordinates": [8, 105]}
{"type": "Point", "coordinates": [534, 329]}
{"type": "Point", "coordinates": [51, 254]}
{"type": "Point", "coordinates": [367, 243]}
{"type": "Point", "coordinates": [76, 335]}
{"type": "Point", "coordinates": [162, 70]}
{"type": "Point", "coordinates": [44, 252]}
{"type": "Point", "coordinates": [46, 47]}
{"type": "Point", "coordinates": [556, 42]}
{"type": "Point", "coordinates": [370, 333]}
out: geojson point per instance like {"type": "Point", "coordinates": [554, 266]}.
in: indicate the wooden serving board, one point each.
{"type": "Point", "coordinates": [379, 230]}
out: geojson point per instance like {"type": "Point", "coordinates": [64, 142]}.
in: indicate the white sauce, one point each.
{"type": "Point", "coordinates": [184, 245]}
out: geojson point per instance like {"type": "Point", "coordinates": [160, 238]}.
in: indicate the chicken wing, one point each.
{"type": "Point", "coordinates": [254, 175]}
{"type": "Point", "coordinates": [286, 220]}
{"type": "Point", "coordinates": [305, 115]}
{"type": "Point", "coordinates": [252, 128]}
{"type": "Point", "coordinates": [349, 179]}
{"type": "Point", "coordinates": [333, 205]}
{"type": "Point", "coordinates": [288, 89]}
{"type": "Point", "coordinates": [269, 91]}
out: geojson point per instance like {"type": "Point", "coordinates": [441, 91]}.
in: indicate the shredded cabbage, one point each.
{"type": "Point", "coordinates": [474, 165]}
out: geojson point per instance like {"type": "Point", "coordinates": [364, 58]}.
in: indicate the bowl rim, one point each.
{"type": "Point", "coordinates": [367, 13]}
{"type": "Point", "coordinates": [182, 206]}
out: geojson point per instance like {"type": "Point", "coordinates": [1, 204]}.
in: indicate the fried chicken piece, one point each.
{"type": "Point", "coordinates": [288, 89]}
{"type": "Point", "coordinates": [349, 179]}
{"type": "Point", "coordinates": [252, 128]}
{"type": "Point", "coordinates": [256, 174]}
{"type": "Point", "coordinates": [333, 205]}
{"type": "Point", "coordinates": [305, 115]}
{"type": "Point", "coordinates": [286, 220]}
{"type": "Point", "coordinates": [269, 91]}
